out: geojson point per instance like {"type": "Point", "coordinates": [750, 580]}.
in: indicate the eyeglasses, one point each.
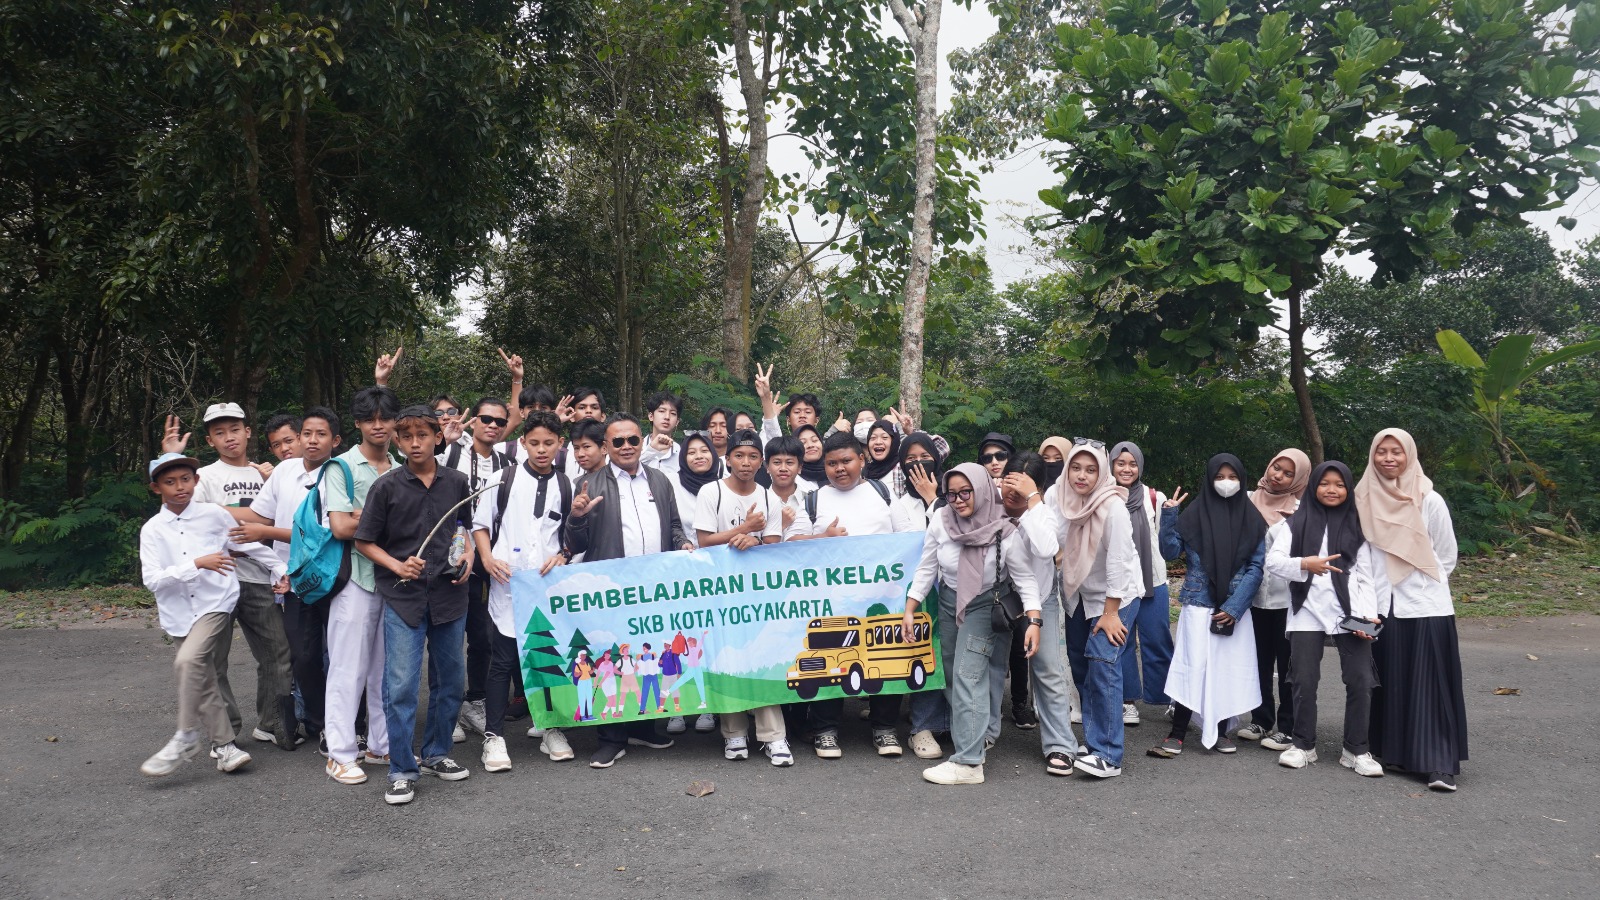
{"type": "Point", "coordinates": [448, 411]}
{"type": "Point", "coordinates": [494, 420]}
{"type": "Point", "coordinates": [1088, 442]}
{"type": "Point", "coordinates": [964, 495]}
{"type": "Point", "coordinates": [995, 456]}
{"type": "Point", "coordinates": [632, 440]}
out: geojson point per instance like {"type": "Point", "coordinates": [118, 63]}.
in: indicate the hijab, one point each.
{"type": "Point", "coordinates": [1053, 470]}
{"type": "Point", "coordinates": [693, 481]}
{"type": "Point", "coordinates": [1141, 523]}
{"type": "Point", "coordinates": [1342, 525]}
{"type": "Point", "coordinates": [1391, 511]}
{"type": "Point", "coordinates": [925, 441]}
{"type": "Point", "coordinates": [1224, 532]}
{"type": "Point", "coordinates": [987, 525]}
{"type": "Point", "coordinates": [1275, 507]}
{"type": "Point", "coordinates": [880, 469]}
{"type": "Point", "coordinates": [814, 472]}
{"type": "Point", "coordinates": [1086, 518]}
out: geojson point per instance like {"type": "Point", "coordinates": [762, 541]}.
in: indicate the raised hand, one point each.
{"type": "Point", "coordinates": [386, 365]}
{"type": "Point", "coordinates": [1177, 498]}
{"type": "Point", "coordinates": [841, 423]}
{"type": "Point", "coordinates": [924, 484]}
{"type": "Point", "coordinates": [452, 428]}
{"type": "Point", "coordinates": [264, 469]}
{"type": "Point", "coordinates": [834, 530]}
{"type": "Point", "coordinates": [788, 516]}
{"type": "Point", "coordinates": [661, 442]}
{"type": "Point", "coordinates": [1020, 484]}
{"type": "Point", "coordinates": [581, 504]}
{"type": "Point", "coordinates": [902, 419]}
{"type": "Point", "coordinates": [769, 399]}
{"type": "Point", "coordinates": [564, 409]}
{"type": "Point", "coordinates": [514, 363]}
{"type": "Point", "coordinates": [1319, 565]}
{"type": "Point", "coordinates": [755, 521]}
{"type": "Point", "coordinates": [170, 441]}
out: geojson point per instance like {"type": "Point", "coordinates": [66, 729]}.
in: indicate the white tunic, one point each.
{"type": "Point", "coordinates": [1212, 675]}
{"type": "Point", "coordinates": [1419, 596]}
{"type": "Point", "coordinates": [1321, 611]}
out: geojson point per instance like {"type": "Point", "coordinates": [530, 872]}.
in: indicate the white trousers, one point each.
{"type": "Point", "coordinates": [355, 662]}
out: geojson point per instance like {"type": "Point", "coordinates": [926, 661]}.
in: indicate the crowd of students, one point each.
{"type": "Point", "coordinates": [1048, 567]}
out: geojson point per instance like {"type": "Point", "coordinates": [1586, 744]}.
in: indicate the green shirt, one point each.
{"type": "Point", "coordinates": [335, 499]}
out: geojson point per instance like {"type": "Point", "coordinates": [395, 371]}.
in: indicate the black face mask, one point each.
{"type": "Point", "coordinates": [1052, 471]}
{"type": "Point", "coordinates": [925, 465]}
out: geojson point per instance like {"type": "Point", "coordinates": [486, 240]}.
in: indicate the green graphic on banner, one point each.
{"type": "Point", "coordinates": [721, 630]}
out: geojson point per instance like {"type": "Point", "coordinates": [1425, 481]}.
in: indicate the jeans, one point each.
{"type": "Point", "coordinates": [1052, 692]}
{"type": "Point", "coordinates": [1272, 651]}
{"type": "Point", "coordinates": [1154, 626]}
{"type": "Point", "coordinates": [930, 710]}
{"type": "Point", "coordinates": [307, 630]}
{"type": "Point", "coordinates": [1097, 668]}
{"type": "Point", "coordinates": [982, 657]}
{"type": "Point", "coordinates": [652, 683]}
{"type": "Point", "coordinates": [402, 672]}
{"type": "Point", "coordinates": [1360, 677]}
{"type": "Point", "coordinates": [480, 627]}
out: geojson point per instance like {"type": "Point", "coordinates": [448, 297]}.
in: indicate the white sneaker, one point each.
{"type": "Point", "coordinates": [230, 758]}
{"type": "Point", "coordinates": [706, 723]}
{"type": "Point", "coordinates": [676, 725]}
{"type": "Point", "coordinates": [778, 751]}
{"type": "Point", "coordinates": [1094, 765]}
{"type": "Point", "coordinates": [1130, 714]}
{"type": "Point", "coordinates": [949, 772]}
{"type": "Point", "coordinates": [535, 731]}
{"type": "Point", "coordinates": [495, 757]}
{"type": "Point", "coordinates": [1295, 758]}
{"type": "Point", "coordinates": [460, 736]}
{"type": "Point", "coordinates": [344, 773]}
{"type": "Point", "coordinates": [1363, 764]}
{"type": "Point", "coordinates": [472, 717]}
{"type": "Point", "coordinates": [925, 745]}
{"type": "Point", "coordinates": [554, 745]}
{"type": "Point", "coordinates": [168, 758]}
{"type": "Point", "coordinates": [735, 748]}
{"type": "Point", "coordinates": [261, 734]}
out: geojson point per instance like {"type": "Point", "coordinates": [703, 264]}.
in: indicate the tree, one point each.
{"type": "Point", "coordinates": [1003, 88]}
{"type": "Point", "coordinates": [541, 663]}
{"type": "Point", "coordinates": [574, 644]}
{"type": "Point", "coordinates": [1215, 155]}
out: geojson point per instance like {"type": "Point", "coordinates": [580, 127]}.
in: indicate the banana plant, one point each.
{"type": "Point", "coordinates": [1496, 382]}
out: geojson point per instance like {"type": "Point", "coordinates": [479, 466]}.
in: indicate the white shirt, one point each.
{"type": "Point", "coordinates": [281, 496]}
{"type": "Point", "coordinates": [227, 485]}
{"type": "Point", "coordinates": [526, 539]}
{"type": "Point", "coordinates": [478, 469]}
{"type": "Point", "coordinates": [1152, 514]}
{"type": "Point", "coordinates": [169, 543]}
{"type": "Point", "coordinates": [1321, 611]}
{"type": "Point", "coordinates": [666, 460]}
{"type": "Point", "coordinates": [769, 430]}
{"type": "Point", "coordinates": [1274, 590]}
{"type": "Point", "coordinates": [941, 560]}
{"type": "Point", "coordinates": [911, 505]}
{"type": "Point", "coordinates": [718, 508]}
{"type": "Point", "coordinates": [1117, 570]}
{"type": "Point", "coordinates": [636, 507]}
{"type": "Point", "coordinates": [1419, 596]}
{"type": "Point", "coordinates": [860, 510]}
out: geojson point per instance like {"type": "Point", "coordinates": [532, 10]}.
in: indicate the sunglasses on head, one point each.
{"type": "Point", "coordinates": [494, 420]}
{"type": "Point", "coordinates": [632, 440]}
{"type": "Point", "coordinates": [1088, 442]}
{"type": "Point", "coordinates": [965, 494]}
{"type": "Point", "coordinates": [994, 456]}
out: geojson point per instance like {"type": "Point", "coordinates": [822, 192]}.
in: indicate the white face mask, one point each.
{"type": "Point", "coordinates": [861, 431]}
{"type": "Point", "coordinates": [1226, 487]}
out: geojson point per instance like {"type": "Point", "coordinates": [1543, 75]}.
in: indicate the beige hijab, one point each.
{"type": "Point", "coordinates": [1391, 511]}
{"type": "Point", "coordinates": [1086, 518]}
{"type": "Point", "coordinates": [1277, 507]}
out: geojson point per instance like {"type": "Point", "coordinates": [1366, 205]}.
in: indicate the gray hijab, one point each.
{"type": "Point", "coordinates": [1141, 523]}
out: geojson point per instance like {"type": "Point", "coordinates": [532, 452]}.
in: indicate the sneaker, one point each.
{"type": "Point", "coordinates": [445, 769]}
{"type": "Point", "coordinates": [1225, 744]}
{"type": "Point", "coordinates": [949, 772]}
{"type": "Point", "coordinates": [1130, 714]}
{"type": "Point", "coordinates": [168, 758]}
{"type": "Point", "coordinates": [1363, 764]}
{"type": "Point", "coordinates": [230, 758]}
{"type": "Point", "coordinates": [888, 743]}
{"type": "Point", "coordinates": [361, 744]}
{"type": "Point", "coordinates": [1097, 767]}
{"type": "Point", "coordinates": [472, 717]}
{"type": "Point", "coordinates": [653, 742]}
{"type": "Point", "coordinates": [1442, 781]}
{"type": "Point", "coordinates": [778, 751]}
{"type": "Point", "coordinates": [1077, 716]}
{"type": "Point", "coordinates": [459, 736]}
{"type": "Point", "coordinates": [1025, 718]}
{"type": "Point", "coordinates": [926, 746]}
{"type": "Point", "coordinates": [495, 758]}
{"type": "Point", "coordinates": [287, 737]}
{"type": "Point", "coordinates": [706, 723]}
{"type": "Point", "coordinates": [535, 731]}
{"type": "Point", "coordinates": [1277, 740]}
{"type": "Point", "coordinates": [1058, 763]}
{"type": "Point", "coordinates": [735, 748]}
{"type": "Point", "coordinates": [373, 759]}
{"type": "Point", "coordinates": [607, 756]}
{"type": "Point", "coordinates": [1295, 758]}
{"type": "Point", "coordinates": [344, 773]}
{"type": "Point", "coordinates": [401, 790]}
{"type": "Point", "coordinates": [1170, 711]}
{"type": "Point", "coordinates": [827, 746]}
{"type": "Point", "coordinates": [1251, 732]}
{"type": "Point", "coordinates": [322, 745]}
{"type": "Point", "coordinates": [676, 725]}
{"type": "Point", "coordinates": [554, 745]}
{"type": "Point", "coordinates": [261, 734]}
{"type": "Point", "coordinates": [1167, 749]}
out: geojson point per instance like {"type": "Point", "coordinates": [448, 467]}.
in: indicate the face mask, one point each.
{"type": "Point", "coordinates": [925, 466]}
{"type": "Point", "coordinates": [1226, 488]}
{"type": "Point", "coordinates": [861, 431]}
{"type": "Point", "coordinates": [1053, 470]}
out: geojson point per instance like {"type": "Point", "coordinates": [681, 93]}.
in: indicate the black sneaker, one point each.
{"type": "Point", "coordinates": [1099, 768]}
{"type": "Point", "coordinates": [361, 745]}
{"type": "Point", "coordinates": [826, 745]}
{"type": "Point", "coordinates": [401, 790]}
{"type": "Point", "coordinates": [1025, 718]}
{"type": "Point", "coordinates": [653, 742]}
{"type": "Point", "coordinates": [888, 743]}
{"type": "Point", "coordinates": [322, 745]}
{"type": "Point", "coordinates": [446, 769]}
{"type": "Point", "coordinates": [607, 756]}
{"type": "Point", "coordinates": [1442, 781]}
{"type": "Point", "coordinates": [1058, 763]}
{"type": "Point", "coordinates": [1167, 749]}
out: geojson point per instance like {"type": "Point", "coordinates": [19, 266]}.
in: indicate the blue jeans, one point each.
{"type": "Point", "coordinates": [1154, 625]}
{"type": "Point", "coordinates": [402, 674]}
{"type": "Point", "coordinates": [1097, 668]}
{"type": "Point", "coordinates": [1052, 693]}
{"type": "Point", "coordinates": [930, 710]}
{"type": "Point", "coordinates": [976, 682]}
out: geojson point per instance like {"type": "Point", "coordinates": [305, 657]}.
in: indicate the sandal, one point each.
{"type": "Point", "coordinates": [1058, 763]}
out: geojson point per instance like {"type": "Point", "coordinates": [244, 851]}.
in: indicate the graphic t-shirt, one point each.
{"type": "Point", "coordinates": [227, 485]}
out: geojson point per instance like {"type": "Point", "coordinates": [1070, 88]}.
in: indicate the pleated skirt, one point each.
{"type": "Point", "coordinates": [1419, 713]}
{"type": "Point", "coordinates": [1212, 675]}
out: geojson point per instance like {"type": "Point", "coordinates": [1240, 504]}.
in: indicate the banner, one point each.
{"type": "Point", "coordinates": [721, 630]}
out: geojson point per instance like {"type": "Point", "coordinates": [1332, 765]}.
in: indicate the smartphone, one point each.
{"type": "Point", "coordinates": [1370, 629]}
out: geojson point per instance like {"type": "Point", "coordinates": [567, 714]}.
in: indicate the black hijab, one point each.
{"type": "Point", "coordinates": [1225, 532]}
{"type": "Point", "coordinates": [935, 469]}
{"type": "Point", "coordinates": [814, 472]}
{"type": "Point", "coordinates": [1340, 523]}
{"type": "Point", "coordinates": [695, 481]}
{"type": "Point", "coordinates": [1137, 497]}
{"type": "Point", "coordinates": [879, 469]}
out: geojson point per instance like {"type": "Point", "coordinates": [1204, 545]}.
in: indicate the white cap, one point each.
{"type": "Point", "coordinates": [223, 411]}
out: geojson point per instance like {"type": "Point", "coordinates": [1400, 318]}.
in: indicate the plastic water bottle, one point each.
{"type": "Point", "coordinates": [458, 546]}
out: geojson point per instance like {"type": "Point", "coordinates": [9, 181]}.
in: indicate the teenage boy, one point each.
{"type": "Point", "coordinates": [518, 526]}
{"type": "Point", "coordinates": [539, 397]}
{"type": "Point", "coordinates": [664, 409]}
{"type": "Point", "coordinates": [587, 404]}
{"type": "Point", "coordinates": [850, 504]}
{"type": "Point", "coordinates": [624, 509]}
{"type": "Point", "coordinates": [425, 601]}
{"type": "Point", "coordinates": [801, 410]}
{"type": "Point", "coordinates": [586, 448]}
{"type": "Point", "coordinates": [742, 514]}
{"type": "Point", "coordinates": [355, 614]}
{"type": "Point", "coordinates": [271, 518]}
{"type": "Point", "coordinates": [187, 559]}
{"type": "Point", "coordinates": [233, 482]}
{"type": "Point", "coordinates": [283, 436]}
{"type": "Point", "coordinates": [783, 468]}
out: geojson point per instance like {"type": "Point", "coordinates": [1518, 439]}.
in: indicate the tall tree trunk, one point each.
{"type": "Point", "coordinates": [739, 243]}
{"type": "Point", "coordinates": [22, 432]}
{"type": "Point", "coordinates": [922, 31]}
{"type": "Point", "coordinates": [1297, 377]}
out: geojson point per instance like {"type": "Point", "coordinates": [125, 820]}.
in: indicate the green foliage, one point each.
{"type": "Point", "coordinates": [88, 540]}
{"type": "Point", "coordinates": [541, 664]}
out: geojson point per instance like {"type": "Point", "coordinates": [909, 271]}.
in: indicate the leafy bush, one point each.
{"type": "Point", "coordinates": [92, 540]}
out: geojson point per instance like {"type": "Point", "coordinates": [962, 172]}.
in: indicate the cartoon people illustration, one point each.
{"type": "Point", "coordinates": [671, 669]}
{"type": "Point", "coordinates": [583, 676]}
{"type": "Point", "coordinates": [693, 656]}
{"type": "Point", "coordinates": [650, 673]}
{"type": "Point", "coordinates": [630, 681]}
{"type": "Point", "coordinates": [606, 671]}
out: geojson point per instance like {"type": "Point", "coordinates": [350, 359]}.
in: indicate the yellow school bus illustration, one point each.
{"type": "Point", "coordinates": [861, 653]}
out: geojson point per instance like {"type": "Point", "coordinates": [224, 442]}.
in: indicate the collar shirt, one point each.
{"type": "Point", "coordinates": [941, 565]}
{"type": "Point", "coordinates": [478, 469]}
{"type": "Point", "coordinates": [1117, 570]}
{"type": "Point", "coordinates": [170, 542]}
{"type": "Point", "coordinates": [1419, 596]}
{"type": "Point", "coordinates": [282, 495]}
{"type": "Point", "coordinates": [530, 531]}
{"type": "Point", "coordinates": [1274, 591]}
{"type": "Point", "coordinates": [1321, 611]}
{"type": "Point", "coordinates": [665, 460]}
{"type": "Point", "coordinates": [399, 513]}
{"type": "Point", "coordinates": [636, 506]}
{"type": "Point", "coordinates": [336, 499]}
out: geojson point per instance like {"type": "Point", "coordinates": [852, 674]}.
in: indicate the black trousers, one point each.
{"type": "Point", "coordinates": [480, 643]}
{"type": "Point", "coordinates": [1019, 671]}
{"type": "Point", "coordinates": [883, 711]}
{"type": "Point", "coordinates": [1360, 677]}
{"type": "Point", "coordinates": [306, 627]}
{"type": "Point", "coordinates": [497, 689]}
{"type": "Point", "coordinates": [617, 735]}
{"type": "Point", "coordinates": [1272, 653]}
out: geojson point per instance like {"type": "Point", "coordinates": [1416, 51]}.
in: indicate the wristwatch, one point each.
{"type": "Point", "coordinates": [1035, 620]}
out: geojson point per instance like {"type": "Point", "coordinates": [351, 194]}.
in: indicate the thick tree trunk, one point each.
{"type": "Point", "coordinates": [22, 432]}
{"type": "Point", "coordinates": [1297, 379]}
{"type": "Point", "coordinates": [739, 243]}
{"type": "Point", "coordinates": [922, 30]}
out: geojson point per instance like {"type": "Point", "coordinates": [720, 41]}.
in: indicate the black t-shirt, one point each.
{"type": "Point", "coordinates": [399, 513]}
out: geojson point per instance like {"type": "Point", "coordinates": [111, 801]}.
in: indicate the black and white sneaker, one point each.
{"type": "Point", "coordinates": [888, 743]}
{"type": "Point", "coordinates": [401, 790]}
{"type": "Point", "coordinates": [653, 742]}
{"type": "Point", "coordinates": [446, 769]}
{"type": "Point", "coordinates": [1099, 768]}
{"type": "Point", "coordinates": [1025, 718]}
{"type": "Point", "coordinates": [1442, 781]}
{"type": "Point", "coordinates": [1278, 741]}
{"type": "Point", "coordinates": [607, 756]}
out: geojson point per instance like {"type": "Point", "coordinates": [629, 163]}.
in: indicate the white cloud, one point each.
{"type": "Point", "coordinates": [777, 640]}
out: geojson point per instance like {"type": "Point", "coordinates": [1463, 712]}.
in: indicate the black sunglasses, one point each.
{"type": "Point", "coordinates": [632, 440]}
{"type": "Point", "coordinates": [994, 456]}
{"type": "Point", "coordinates": [494, 420]}
{"type": "Point", "coordinates": [952, 496]}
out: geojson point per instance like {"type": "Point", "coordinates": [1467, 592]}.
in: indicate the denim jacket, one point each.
{"type": "Point", "coordinates": [1195, 591]}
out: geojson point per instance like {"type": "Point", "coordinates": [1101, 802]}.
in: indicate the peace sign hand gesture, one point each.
{"type": "Point", "coordinates": [1177, 498]}
{"type": "Point", "coordinates": [1320, 565]}
{"type": "Point", "coordinates": [581, 504]}
{"type": "Point", "coordinates": [769, 400]}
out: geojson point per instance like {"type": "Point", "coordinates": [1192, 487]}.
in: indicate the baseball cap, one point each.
{"type": "Point", "coordinates": [222, 411]}
{"type": "Point", "coordinates": [167, 460]}
{"type": "Point", "coordinates": [744, 438]}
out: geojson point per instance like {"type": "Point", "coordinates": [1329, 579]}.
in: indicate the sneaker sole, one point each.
{"type": "Point", "coordinates": [348, 780]}
{"type": "Point", "coordinates": [1059, 772]}
{"type": "Point", "coordinates": [641, 742]}
{"type": "Point", "coordinates": [559, 757]}
{"type": "Point", "coordinates": [953, 783]}
{"type": "Point", "coordinates": [736, 754]}
{"type": "Point", "coordinates": [399, 801]}
{"type": "Point", "coordinates": [596, 764]}
{"type": "Point", "coordinates": [452, 776]}
{"type": "Point", "coordinates": [1100, 773]}
{"type": "Point", "coordinates": [830, 754]}
{"type": "Point", "coordinates": [1308, 761]}
{"type": "Point", "coordinates": [235, 765]}
{"type": "Point", "coordinates": [265, 737]}
{"type": "Point", "coordinates": [497, 767]}
{"type": "Point", "coordinates": [1352, 767]}
{"type": "Point", "coordinates": [1276, 746]}
{"type": "Point", "coordinates": [374, 760]}
{"type": "Point", "coordinates": [890, 751]}
{"type": "Point", "coordinates": [781, 761]}
{"type": "Point", "coordinates": [1441, 787]}
{"type": "Point", "coordinates": [1241, 736]}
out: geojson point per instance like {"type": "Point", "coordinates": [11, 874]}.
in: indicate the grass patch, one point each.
{"type": "Point", "coordinates": [54, 608]}
{"type": "Point", "coordinates": [1543, 580]}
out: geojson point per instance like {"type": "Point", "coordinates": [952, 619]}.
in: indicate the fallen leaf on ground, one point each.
{"type": "Point", "coordinates": [1507, 692]}
{"type": "Point", "coordinates": [1531, 656]}
{"type": "Point", "coordinates": [52, 739]}
{"type": "Point", "coordinates": [700, 788]}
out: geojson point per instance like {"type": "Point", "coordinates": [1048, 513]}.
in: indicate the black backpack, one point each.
{"type": "Point", "coordinates": [503, 497]}
{"type": "Point", "coordinates": [811, 498]}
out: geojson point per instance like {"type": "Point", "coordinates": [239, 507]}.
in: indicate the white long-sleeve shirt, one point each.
{"type": "Point", "coordinates": [537, 535]}
{"type": "Point", "coordinates": [919, 515]}
{"type": "Point", "coordinates": [666, 460]}
{"type": "Point", "coordinates": [1151, 510]}
{"type": "Point", "coordinates": [1117, 570]}
{"type": "Point", "coordinates": [941, 564]}
{"type": "Point", "coordinates": [1321, 611]}
{"type": "Point", "coordinates": [170, 542]}
{"type": "Point", "coordinates": [1274, 590]}
{"type": "Point", "coordinates": [1419, 596]}
{"type": "Point", "coordinates": [281, 497]}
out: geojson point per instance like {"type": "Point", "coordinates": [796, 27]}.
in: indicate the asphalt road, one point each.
{"type": "Point", "coordinates": [78, 820]}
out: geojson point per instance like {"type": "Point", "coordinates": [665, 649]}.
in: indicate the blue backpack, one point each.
{"type": "Point", "coordinates": [319, 563]}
